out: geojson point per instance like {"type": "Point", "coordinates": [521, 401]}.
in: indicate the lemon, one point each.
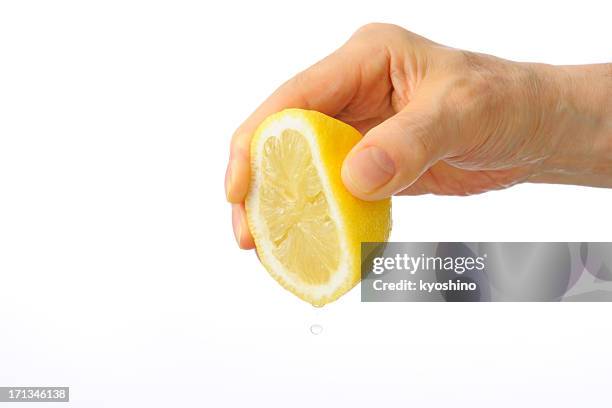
{"type": "Point", "coordinates": [307, 227]}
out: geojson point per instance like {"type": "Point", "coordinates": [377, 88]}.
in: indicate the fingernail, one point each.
{"type": "Point", "coordinates": [236, 224]}
{"type": "Point", "coordinates": [370, 168]}
{"type": "Point", "coordinates": [228, 180]}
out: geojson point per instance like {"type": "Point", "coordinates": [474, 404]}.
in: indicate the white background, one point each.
{"type": "Point", "coordinates": [119, 276]}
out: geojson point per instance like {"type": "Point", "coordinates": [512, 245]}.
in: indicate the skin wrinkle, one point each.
{"type": "Point", "coordinates": [578, 154]}
{"type": "Point", "coordinates": [392, 93]}
{"type": "Point", "coordinates": [487, 146]}
{"type": "Point", "coordinates": [482, 102]}
{"type": "Point", "coordinates": [400, 81]}
{"type": "Point", "coordinates": [436, 181]}
{"type": "Point", "coordinates": [539, 134]}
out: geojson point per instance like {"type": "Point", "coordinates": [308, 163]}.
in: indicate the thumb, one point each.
{"type": "Point", "coordinates": [394, 154]}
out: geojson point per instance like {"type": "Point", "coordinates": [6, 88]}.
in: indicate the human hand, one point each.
{"type": "Point", "coordinates": [443, 121]}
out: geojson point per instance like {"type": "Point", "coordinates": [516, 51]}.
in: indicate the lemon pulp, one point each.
{"type": "Point", "coordinates": [295, 210]}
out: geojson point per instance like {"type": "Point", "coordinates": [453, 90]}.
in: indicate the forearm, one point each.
{"type": "Point", "coordinates": [579, 116]}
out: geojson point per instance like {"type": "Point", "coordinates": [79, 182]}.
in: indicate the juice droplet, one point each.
{"type": "Point", "coordinates": [316, 329]}
{"type": "Point", "coordinates": [317, 305]}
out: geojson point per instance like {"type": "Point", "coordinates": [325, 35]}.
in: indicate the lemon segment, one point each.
{"type": "Point", "coordinates": [307, 227]}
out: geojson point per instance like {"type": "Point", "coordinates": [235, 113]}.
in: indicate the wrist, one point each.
{"type": "Point", "coordinates": [577, 117]}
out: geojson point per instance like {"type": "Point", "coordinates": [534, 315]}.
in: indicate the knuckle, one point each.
{"type": "Point", "coordinates": [300, 79]}
{"type": "Point", "coordinates": [376, 29]}
{"type": "Point", "coordinates": [370, 27]}
{"type": "Point", "coordinates": [468, 95]}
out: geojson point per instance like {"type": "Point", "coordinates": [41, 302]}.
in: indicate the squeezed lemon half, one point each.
{"type": "Point", "coordinates": [307, 227]}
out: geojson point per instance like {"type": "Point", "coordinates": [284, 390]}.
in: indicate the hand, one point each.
{"type": "Point", "coordinates": [444, 121]}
